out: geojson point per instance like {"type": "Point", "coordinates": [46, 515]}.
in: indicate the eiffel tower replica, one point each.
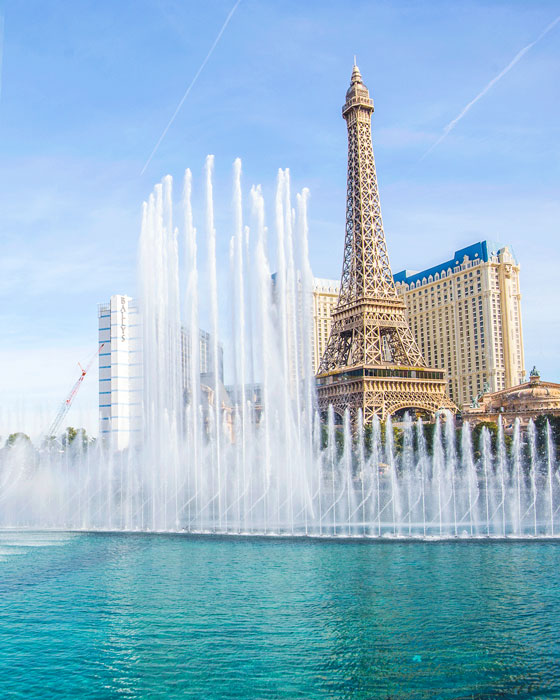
{"type": "Point", "coordinates": [372, 362]}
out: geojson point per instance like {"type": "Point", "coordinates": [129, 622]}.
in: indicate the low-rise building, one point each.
{"type": "Point", "coordinates": [525, 401]}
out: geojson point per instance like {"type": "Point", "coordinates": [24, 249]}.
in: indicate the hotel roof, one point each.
{"type": "Point", "coordinates": [483, 250]}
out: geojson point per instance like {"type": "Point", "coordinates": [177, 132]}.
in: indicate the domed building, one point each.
{"type": "Point", "coordinates": [524, 401]}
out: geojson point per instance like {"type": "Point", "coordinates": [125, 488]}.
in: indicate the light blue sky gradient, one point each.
{"type": "Point", "coordinates": [87, 88]}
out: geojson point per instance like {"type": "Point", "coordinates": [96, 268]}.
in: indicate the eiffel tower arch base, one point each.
{"type": "Point", "coordinates": [382, 396]}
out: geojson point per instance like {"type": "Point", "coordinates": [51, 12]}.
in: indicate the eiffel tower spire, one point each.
{"type": "Point", "coordinates": [366, 270]}
{"type": "Point", "coordinates": [371, 349]}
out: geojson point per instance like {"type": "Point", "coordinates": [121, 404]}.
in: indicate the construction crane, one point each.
{"type": "Point", "coordinates": [65, 406]}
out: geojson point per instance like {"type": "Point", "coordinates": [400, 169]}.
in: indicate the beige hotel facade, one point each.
{"type": "Point", "coordinates": [325, 298]}
{"type": "Point", "coordinates": [465, 315]}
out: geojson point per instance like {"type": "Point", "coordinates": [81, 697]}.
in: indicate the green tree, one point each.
{"type": "Point", "coordinates": [76, 437]}
{"type": "Point", "coordinates": [69, 436]}
{"type": "Point", "coordinates": [429, 430]}
{"type": "Point", "coordinates": [21, 445]}
{"type": "Point", "coordinates": [338, 438]}
{"type": "Point", "coordinates": [18, 439]}
{"type": "Point", "coordinates": [477, 433]}
{"type": "Point", "coordinates": [82, 438]}
{"type": "Point", "coordinates": [541, 423]}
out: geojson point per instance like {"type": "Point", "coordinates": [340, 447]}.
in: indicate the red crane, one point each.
{"type": "Point", "coordinates": [65, 406]}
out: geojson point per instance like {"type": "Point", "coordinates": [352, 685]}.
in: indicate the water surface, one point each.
{"type": "Point", "coordinates": [170, 616]}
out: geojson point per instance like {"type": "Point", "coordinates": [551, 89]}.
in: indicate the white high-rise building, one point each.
{"type": "Point", "coordinates": [120, 371]}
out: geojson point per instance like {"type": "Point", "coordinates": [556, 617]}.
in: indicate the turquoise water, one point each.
{"type": "Point", "coordinates": [157, 616]}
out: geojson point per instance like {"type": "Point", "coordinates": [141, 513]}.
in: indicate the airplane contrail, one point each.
{"type": "Point", "coordinates": [494, 80]}
{"type": "Point", "coordinates": [193, 81]}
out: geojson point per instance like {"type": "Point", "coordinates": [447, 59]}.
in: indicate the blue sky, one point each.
{"type": "Point", "coordinates": [87, 88]}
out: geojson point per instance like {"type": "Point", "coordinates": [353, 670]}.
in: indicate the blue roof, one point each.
{"type": "Point", "coordinates": [482, 250]}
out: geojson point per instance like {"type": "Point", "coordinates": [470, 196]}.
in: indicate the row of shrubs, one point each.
{"type": "Point", "coordinates": [76, 437]}
{"type": "Point", "coordinates": [429, 429]}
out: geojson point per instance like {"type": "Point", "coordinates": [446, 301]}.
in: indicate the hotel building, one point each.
{"type": "Point", "coordinates": [325, 297]}
{"type": "Point", "coordinates": [121, 369]}
{"type": "Point", "coordinates": [465, 314]}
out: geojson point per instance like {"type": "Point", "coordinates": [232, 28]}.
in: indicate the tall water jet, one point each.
{"type": "Point", "coordinates": [517, 478]}
{"type": "Point", "coordinates": [486, 468]}
{"type": "Point", "coordinates": [438, 474]}
{"type": "Point", "coordinates": [259, 458]}
{"type": "Point", "coordinates": [193, 424]}
{"type": "Point", "coordinates": [502, 475]}
{"type": "Point", "coordinates": [550, 474]}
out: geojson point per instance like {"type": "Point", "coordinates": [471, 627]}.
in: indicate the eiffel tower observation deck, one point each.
{"type": "Point", "coordinates": [372, 362]}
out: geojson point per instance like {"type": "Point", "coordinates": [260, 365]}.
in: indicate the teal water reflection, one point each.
{"type": "Point", "coordinates": [141, 616]}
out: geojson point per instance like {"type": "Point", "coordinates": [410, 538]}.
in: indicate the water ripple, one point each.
{"type": "Point", "coordinates": [137, 616]}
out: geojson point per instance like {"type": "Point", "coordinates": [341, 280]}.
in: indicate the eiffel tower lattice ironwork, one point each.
{"type": "Point", "coordinates": [372, 362]}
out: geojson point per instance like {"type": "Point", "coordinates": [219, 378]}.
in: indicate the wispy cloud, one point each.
{"type": "Point", "coordinates": [453, 123]}
{"type": "Point", "coordinates": [193, 81]}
